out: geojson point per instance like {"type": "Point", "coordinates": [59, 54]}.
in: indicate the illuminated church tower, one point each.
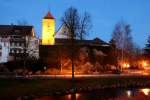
{"type": "Point", "coordinates": [48, 30]}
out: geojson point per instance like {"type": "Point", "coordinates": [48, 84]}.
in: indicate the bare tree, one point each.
{"type": "Point", "coordinates": [113, 53]}
{"type": "Point", "coordinates": [22, 22]}
{"type": "Point", "coordinates": [71, 21]}
{"type": "Point", "coordinates": [147, 48]}
{"type": "Point", "coordinates": [137, 55]}
{"type": "Point", "coordinates": [85, 25]}
{"type": "Point", "coordinates": [76, 28]}
{"type": "Point", "coordinates": [122, 35]}
{"type": "Point", "coordinates": [123, 39]}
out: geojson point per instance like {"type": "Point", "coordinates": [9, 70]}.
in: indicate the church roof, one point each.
{"type": "Point", "coordinates": [94, 42]}
{"type": "Point", "coordinates": [62, 39]}
{"type": "Point", "coordinates": [60, 33]}
{"type": "Point", "coordinates": [49, 16]}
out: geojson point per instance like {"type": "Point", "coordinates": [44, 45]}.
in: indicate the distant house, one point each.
{"type": "Point", "coordinates": [17, 42]}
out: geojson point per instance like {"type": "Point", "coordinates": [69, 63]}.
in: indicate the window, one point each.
{"type": "Point", "coordinates": [23, 44]}
{"type": "Point", "coordinates": [12, 51]}
{"type": "Point", "coordinates": [17, 44]}
{"type": "Point", "coordinates": [17, 51]}
{"type": "Point", "coordinates": [22, 51]}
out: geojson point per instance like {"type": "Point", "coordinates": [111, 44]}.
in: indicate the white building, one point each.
{"type": "Point", "coordinates": [17, 42]}
{"type": "Point", "coordinates": [33, 47]}
{"type": "Point", "coordinates": [4, 49]}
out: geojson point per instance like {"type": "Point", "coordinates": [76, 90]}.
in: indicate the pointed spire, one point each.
{"type": "Point", "coordinates": [49, 16]}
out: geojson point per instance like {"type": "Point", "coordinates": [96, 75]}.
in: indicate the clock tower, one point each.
{"type": "Point", "coordinates": [48, 29]}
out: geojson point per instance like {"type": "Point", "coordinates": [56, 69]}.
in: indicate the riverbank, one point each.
{"type": "Point", "coordinates": [12, 88]}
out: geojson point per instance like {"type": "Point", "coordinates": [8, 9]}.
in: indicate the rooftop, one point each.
{"type": "Point", "coordinates": [17, 29]}
{"type": "Point", "coordinates": [49, 16]}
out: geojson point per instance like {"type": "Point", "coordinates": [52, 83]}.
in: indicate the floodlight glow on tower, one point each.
{"type": "Point", "coordinates": [48, 30]}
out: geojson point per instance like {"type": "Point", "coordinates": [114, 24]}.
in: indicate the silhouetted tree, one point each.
{"type": "Point", "coordinates": [22, 22]}
{"type": "Point", "coordinates": [84, 25]}
{"type": "Point", "coordinates": [76, 28]}
{"type": "Point", "coordinates": [113, 53]}
{"type": "Point", "coordinates": [122, 36]}
{"type": "Point", "coordinates": [71, 21]}
{"type": "Point", "coordinates": [147, 48]}
{"type": "Point", "coordinates": [137, 55]}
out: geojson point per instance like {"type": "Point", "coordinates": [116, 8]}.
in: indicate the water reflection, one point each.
{"type": "Point", "coordinates": [73, 96]}
{"type": "Point", "coordinates": [69, 96]}
{"type": "Point", "coordinates": [145, 91]}
{"type": "Point", "coordinates": [110, 94]}
{"type": "Point", "coordinates": [129, 93]}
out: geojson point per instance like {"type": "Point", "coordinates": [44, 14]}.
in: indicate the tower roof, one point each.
{"type": "Point", "coordinates": [49, 16]}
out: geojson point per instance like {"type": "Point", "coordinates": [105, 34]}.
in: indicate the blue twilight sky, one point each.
{"type": "Point", "coordinates": [105, 14]}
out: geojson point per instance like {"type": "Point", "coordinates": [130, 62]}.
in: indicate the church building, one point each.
{"type": "Point", "coordinates": [52, 37]}
{"type": "Point", "coordinates": [53, 41]}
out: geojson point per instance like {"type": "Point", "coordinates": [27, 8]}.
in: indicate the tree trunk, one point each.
{"type": "Point", "coordinates": [73, 78]}
{"type": "Point", "coordinates": [72, 58]}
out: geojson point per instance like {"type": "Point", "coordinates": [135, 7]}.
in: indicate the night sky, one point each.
{"type": "Point", "coordinates": [105, 14]}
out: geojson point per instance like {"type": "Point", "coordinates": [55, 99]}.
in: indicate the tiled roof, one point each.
{"type": "Point", "coordinates": [49, 16]}
{"type": "Point", "coordinates": [15, 29]}
{"type": "Point", "coordinates": [95, 42]}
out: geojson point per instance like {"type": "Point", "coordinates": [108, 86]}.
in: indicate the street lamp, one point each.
{"type": "Point", "coordinates": [144, 64]}
{"type": "Point", "coordinates": [126, 65]}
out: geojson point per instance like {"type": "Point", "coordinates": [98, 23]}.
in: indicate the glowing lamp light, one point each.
{"type": "Point", "coordinates": [77, 95]}
{"type": "Point", "coordinates": [144, 63]}
{"type": "Point", "coordinates": [126, 65]}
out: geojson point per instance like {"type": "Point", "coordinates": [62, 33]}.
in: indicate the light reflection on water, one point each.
{"type": "Point", "coordinates": [146, 91]}
{"type": "Point", "coordinates": [129, 93]}
{"type": "Point", "coordinates": [110, 94]}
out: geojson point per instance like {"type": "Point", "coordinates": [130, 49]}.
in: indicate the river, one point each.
{"type": "Point", "coordinates": [110, 94]}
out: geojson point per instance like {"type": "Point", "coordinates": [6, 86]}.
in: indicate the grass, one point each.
{"type": "Point", "coordinates": [14, 88]}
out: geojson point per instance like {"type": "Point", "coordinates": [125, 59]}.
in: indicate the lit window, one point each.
{"type": "Point", "coordinates": [12, 51]}
{"type": "Point", "coordinates": [17, 51]}
{"type": "Point", "coordinates": [22, 51]}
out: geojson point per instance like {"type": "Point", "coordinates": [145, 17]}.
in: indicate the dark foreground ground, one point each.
{"type": "Point", "coordinates": [12, 88]}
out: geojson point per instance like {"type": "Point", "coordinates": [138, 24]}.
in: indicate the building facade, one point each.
{"type": "Point", "coordinates": [17, 42]}
{"type": "Point", "coordinates": [4, 49]}
{"type": "Point", "coordinates": [51, 53]}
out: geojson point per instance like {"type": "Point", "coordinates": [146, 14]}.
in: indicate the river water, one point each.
{"type": "Point", "coordinates": [110, 94]}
